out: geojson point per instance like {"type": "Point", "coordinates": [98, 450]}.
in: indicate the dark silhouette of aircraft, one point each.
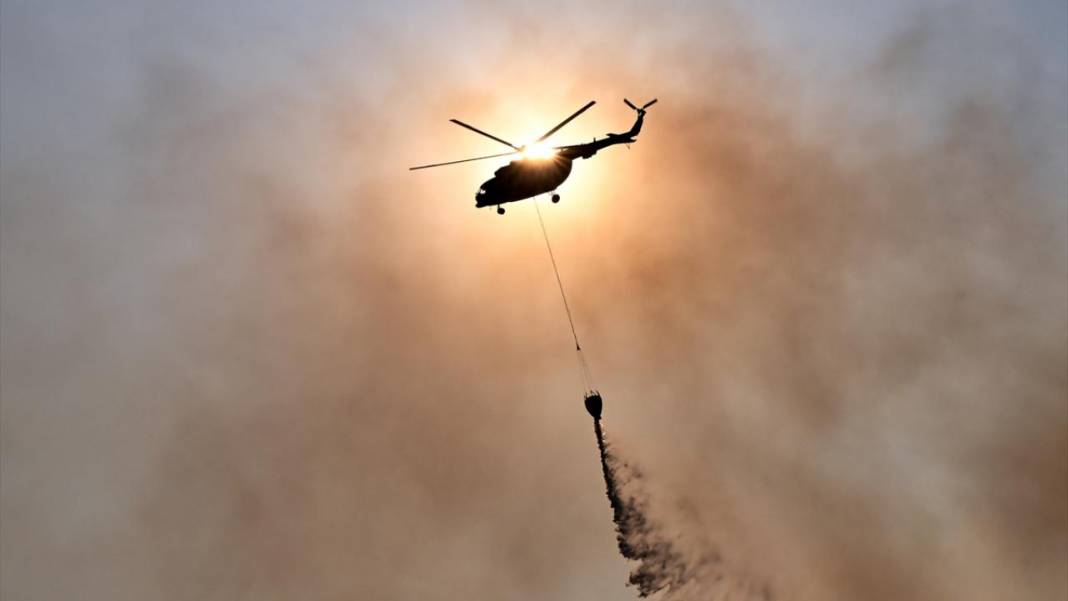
{"type": "Point", "coordinates": [541, 168]}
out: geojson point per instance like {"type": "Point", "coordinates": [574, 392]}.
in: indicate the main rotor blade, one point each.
{"type": "Point", "coordinates": [649, 104]}
{"type": "Point", "coordinates": [479, 131]}
{"type": "Point", "coordinates": [489, 156]}
{"type": "Point", "coordinates": [566, 121]}
{"type": "Point", "coordinates": [630, 104]}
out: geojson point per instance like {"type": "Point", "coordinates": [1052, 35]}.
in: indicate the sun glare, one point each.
{"type": "Point", "coordinates": [538, 150]}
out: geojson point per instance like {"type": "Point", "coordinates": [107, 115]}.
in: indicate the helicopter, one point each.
{"type": "Point", "coordinates": [540, 168]}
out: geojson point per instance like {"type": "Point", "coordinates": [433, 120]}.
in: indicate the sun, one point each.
{"type": "Point", "coordinates": [538, 150]}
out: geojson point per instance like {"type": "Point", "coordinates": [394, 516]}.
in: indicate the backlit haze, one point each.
{"type": "Point", "coordinates": [246, 354]}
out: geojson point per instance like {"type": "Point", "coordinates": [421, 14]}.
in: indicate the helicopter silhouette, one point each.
{"type": "Point", "coordinates": [540, 169]}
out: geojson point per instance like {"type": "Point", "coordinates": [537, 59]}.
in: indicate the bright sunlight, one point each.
{"type": "Point", "coordinates": [538, 150]}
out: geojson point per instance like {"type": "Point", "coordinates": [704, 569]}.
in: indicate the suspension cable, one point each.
{"type": "Point", "coordinates": [584, 368]}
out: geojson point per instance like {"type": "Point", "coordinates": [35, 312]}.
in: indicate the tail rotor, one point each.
{"type": "Point", "coordinates": [644, 106]}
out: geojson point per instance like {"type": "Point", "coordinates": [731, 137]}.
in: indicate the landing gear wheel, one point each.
{"type": "Point", "coordinates": [500, 210]}
{"type": "Point", "coordinates": [556, 198]}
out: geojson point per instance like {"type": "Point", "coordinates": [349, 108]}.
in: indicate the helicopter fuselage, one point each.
{"type": "Point", "coordinates": [523, 178]}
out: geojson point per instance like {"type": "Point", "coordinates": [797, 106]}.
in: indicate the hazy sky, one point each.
{"type": "Point", "coordinates": [245, 354]}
